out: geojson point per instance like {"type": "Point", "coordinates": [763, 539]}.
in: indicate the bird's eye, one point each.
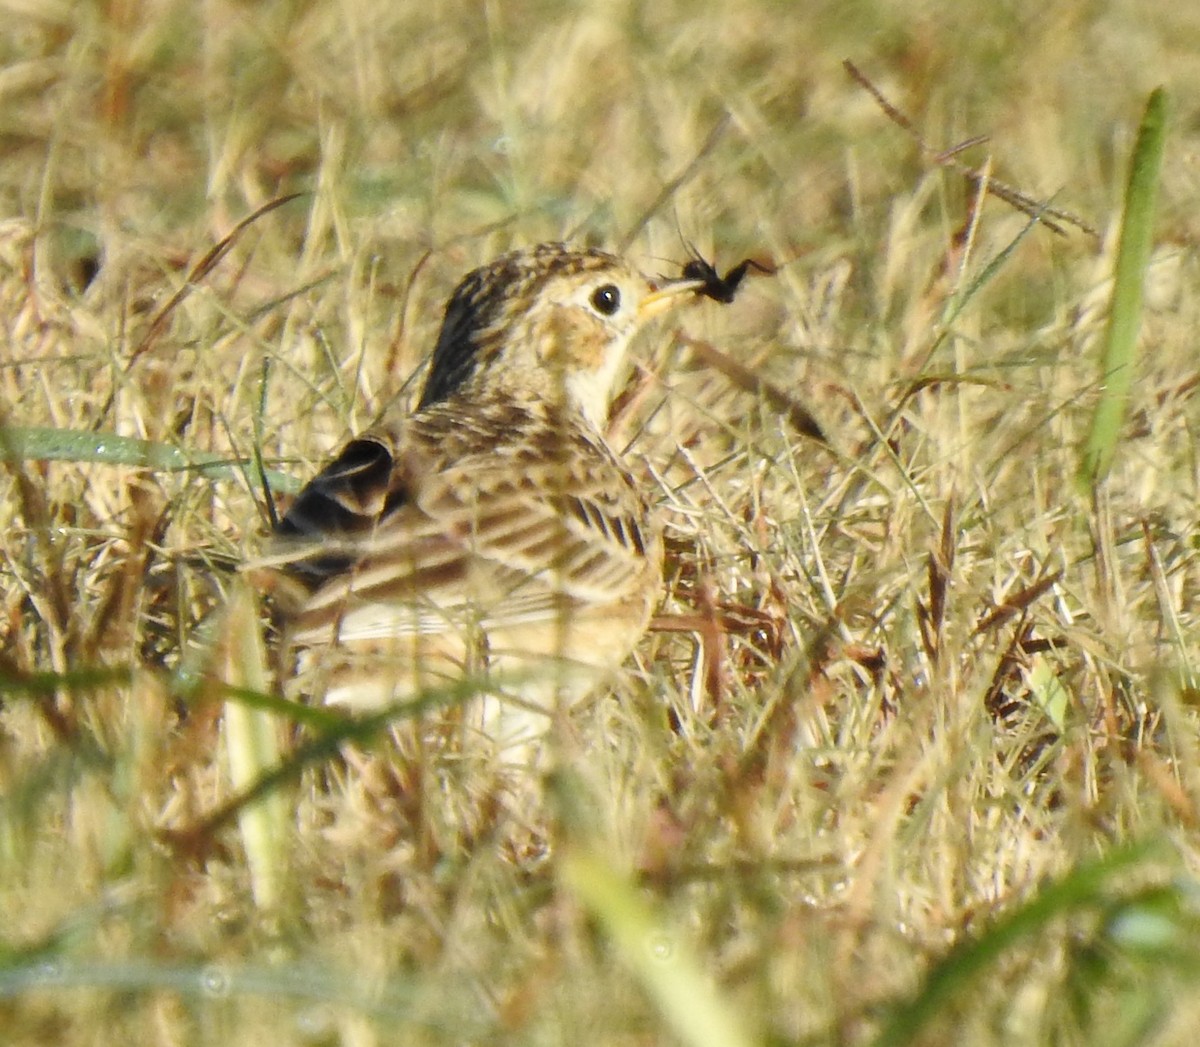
{"type": "Point", "coordinates": [606, 299]}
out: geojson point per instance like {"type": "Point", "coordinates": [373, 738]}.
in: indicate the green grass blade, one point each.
{"type": "Point", "coordinates": [314, 717]}
{"type": "Point", "coordinates": [361, 730]}
{"type": "Point", "coordinates": [683, 993]}
{"type": "Point", "coordinates": [1084, 888]}
{"type": "Point", "coordinates": [212, 982]}
{"type": "Point", "coordinates": [21, 443]}
{"type": "Point", "coordinates": [1125, 312]}
{"type": "Point", "coordinates": [989, 272]}
{"type": "Point", "coordinates": [46, 684]}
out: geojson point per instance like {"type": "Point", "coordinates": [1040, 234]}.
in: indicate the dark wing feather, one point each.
{"type": "Point", "coordinates": [341, 504]}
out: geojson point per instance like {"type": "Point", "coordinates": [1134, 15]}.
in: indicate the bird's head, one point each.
{"type": "Point", "coordinates": [549, 320]}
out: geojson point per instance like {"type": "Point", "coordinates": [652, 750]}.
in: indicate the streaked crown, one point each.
{"type": "Point", "coordinates": [549, 319]}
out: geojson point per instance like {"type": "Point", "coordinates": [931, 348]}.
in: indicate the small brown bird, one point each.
{"type": "Point", "coordinates": [493, 533]}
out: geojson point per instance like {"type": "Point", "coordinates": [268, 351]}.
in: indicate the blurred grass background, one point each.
{"type": "Point", "coordinates": [938, 782]}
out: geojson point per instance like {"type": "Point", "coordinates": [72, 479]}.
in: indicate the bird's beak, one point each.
{"type": "Point", "coordinates": [664, 296]}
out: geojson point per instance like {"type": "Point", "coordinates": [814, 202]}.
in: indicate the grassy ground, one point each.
{"type": "Point", "coordinates": [939, 782]}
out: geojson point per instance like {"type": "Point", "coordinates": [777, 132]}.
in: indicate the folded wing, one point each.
{"type": "Point", "coordinates": [401, 535]}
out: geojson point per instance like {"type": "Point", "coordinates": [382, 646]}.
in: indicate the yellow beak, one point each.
{"type": "Point", "coordinates": [665, 297]}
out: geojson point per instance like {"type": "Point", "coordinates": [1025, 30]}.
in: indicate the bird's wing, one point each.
{"type": "Point", "coordinates": [400, 534]}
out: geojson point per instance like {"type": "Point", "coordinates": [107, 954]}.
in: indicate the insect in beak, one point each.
{"type": "Point", "coordinates": [664, 296]}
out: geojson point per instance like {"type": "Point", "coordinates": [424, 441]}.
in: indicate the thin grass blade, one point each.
{"type": "Point", "coordinates": [1125, 312]}
{"type": "Point", "coordinates": [686, 997]}
{"type": "Point", "coordinates": [1086, 888]}
{"type": "Point", "coordinates": [252, 749]}
{"type": "Point", "coordinates": [45, 444]}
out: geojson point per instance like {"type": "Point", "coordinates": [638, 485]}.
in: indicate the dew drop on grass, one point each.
{"type": "Point", "coordinates": [49, 972]}
{"type": "Point", "coordinates": [661, 947]}
{"type": "Point", "coordinates": [215, 981]}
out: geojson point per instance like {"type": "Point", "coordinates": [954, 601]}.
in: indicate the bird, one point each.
{"type": "Point", "coordinates": [491, 534]}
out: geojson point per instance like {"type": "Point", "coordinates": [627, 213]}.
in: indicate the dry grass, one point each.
{"type": "Point", "coordinates": [937, 783]}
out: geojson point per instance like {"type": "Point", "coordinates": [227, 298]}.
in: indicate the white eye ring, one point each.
{"type": "Point", "coordinates": [606, 299]}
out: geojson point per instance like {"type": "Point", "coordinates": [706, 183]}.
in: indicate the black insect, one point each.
{"type": "Point", "coordinates": [717, 287]}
